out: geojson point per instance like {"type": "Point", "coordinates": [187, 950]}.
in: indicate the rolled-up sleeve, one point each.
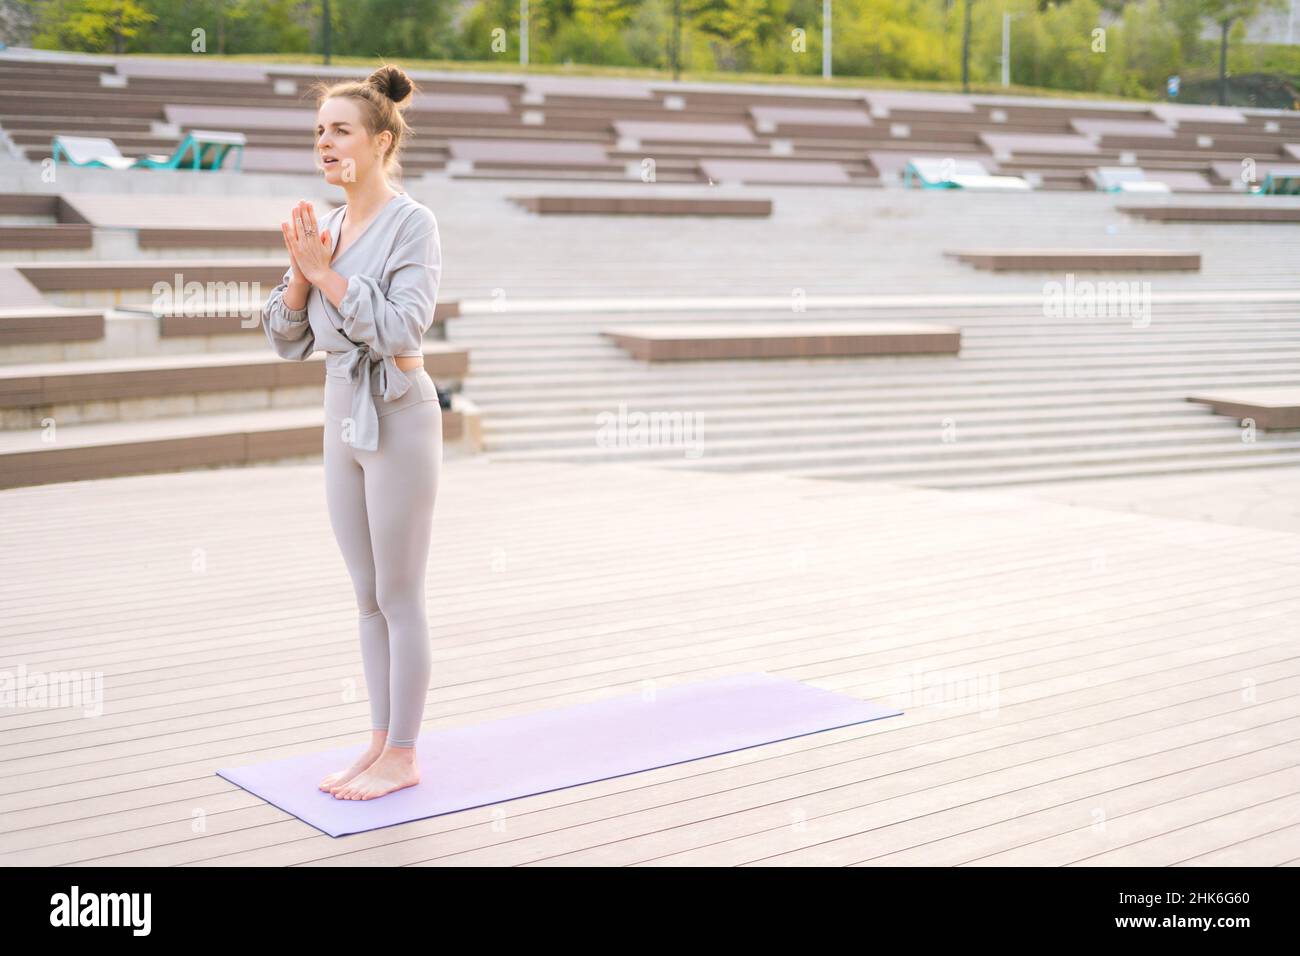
{"type": "Point", "coordinates": [392, 312]}
{"type": "Point", "coordinates": [288, 330]}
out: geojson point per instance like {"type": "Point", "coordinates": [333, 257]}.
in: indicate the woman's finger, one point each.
{"type": "Point", "coordinates": [289, 244]}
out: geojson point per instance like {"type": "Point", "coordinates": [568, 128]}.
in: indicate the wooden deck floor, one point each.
{"type": "Point", "coordinates": [1080, 686]}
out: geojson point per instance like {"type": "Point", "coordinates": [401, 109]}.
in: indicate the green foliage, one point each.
{"type": "Point", "coordinates": [98, 25]}
{"type": "Point", "coordinates": [1115, 47]}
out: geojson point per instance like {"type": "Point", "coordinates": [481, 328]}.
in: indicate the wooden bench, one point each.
{"type": "Point", "coordinates": [475, 154]}
{"type": "Point", "coordinates": [66, 228]}
{"type": "Point", "coordinates": [242, 316]}
{"type": "Point", "coordinates": [632, 134]}
{"type": "Point", "coordinates": [136, 439]}
{"type": "Point", "coordinates": [36, 325]}
{"type": "Point", "coordinates": [114, 449]}
{"type": "Point", "coordinates": [775, 172]}
{"type": "Point", "coordinates": [42, 236]}
{"type": "Point", "coordinates": [643, 206]}
{"type": "Point", "coordinates": [27, 319]}
{"type": "Point", "coordinates": [36, 385]}
{"type": "Point", "coordinates": [1277, 407]}
{"type": "Point", "coordinates": [1118, 260]}
{"type": "Point", "coordinates": [748, 340]}
{"type": "Point", "coordinates": [1214, 213]}
{"type": "Point", "coordinates": [848, 122]}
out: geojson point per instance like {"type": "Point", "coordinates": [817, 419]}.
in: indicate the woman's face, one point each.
{"type": "Point", "coordinates": [345, 150]}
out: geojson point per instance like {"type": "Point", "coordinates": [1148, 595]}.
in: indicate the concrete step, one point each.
{"type": "Point", "coordinates": [160, 386]}
{"type": "Point", "coordinates": [921, 449]}
{"type": "Point", "coordinates": [867, 372]}
{"type": "Point", "coordinates": [741, 433]}
{"type": "Point", "coordinates": [942, 392]}
{"type": "Point", "coordinates": [113, 449]}
{"type": "Point", "coordinates": [1016, 468]}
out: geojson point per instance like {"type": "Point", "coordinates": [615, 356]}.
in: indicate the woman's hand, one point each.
{"type": "Point", "coordinates": [297, 281]}
{"type": "Point", "coordinates": [309, 248]}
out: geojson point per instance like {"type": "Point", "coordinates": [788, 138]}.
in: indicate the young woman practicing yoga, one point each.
{"type": "Point", "coordinates": [362, 284]}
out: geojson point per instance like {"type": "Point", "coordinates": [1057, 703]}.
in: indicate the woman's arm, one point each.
{"type": "Point", "coordinates": [286, 327]}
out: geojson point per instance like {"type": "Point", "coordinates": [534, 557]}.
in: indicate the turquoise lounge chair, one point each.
{"type": "Point", "coordinates": [1125, 179]}
{"type": "Point", "coordinates": [1282, 181]}
{"type": "Point", "coordinates": [87, 151]}
{"type": "Point", "coordinates": [950, 173]}
{"type": "Point", "coordinates": [200, 150]}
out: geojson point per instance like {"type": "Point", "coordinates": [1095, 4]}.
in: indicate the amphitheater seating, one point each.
{"type": "Point", "coordinates": [134, 384]}
{"type": "Point", "coordinates": [562, 128]}
{"type": "Point", "coordinates": [133, 389]}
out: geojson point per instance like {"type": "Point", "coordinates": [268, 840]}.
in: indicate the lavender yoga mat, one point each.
{"type": "Point", "coordinates": [511, 757]}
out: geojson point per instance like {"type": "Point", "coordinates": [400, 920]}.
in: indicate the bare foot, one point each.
{"type": "Point", "coordinates": [396, 768]}
{"type": "Point", "coordinates": [340, 777]}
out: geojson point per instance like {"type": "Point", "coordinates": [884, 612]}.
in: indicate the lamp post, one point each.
{"type": "Point", "coordinates": [826, 39]}
{"type": "Point", "coordinates": [677, 39]}
{"type": "Point", "coordinates": [523, 32]}
{"type": "Point", "coordinates": [965, 51]}
{"type": "Point", "coordinates": [1005, 58]}
{"type": "Point", "coordinates": [325, 29]}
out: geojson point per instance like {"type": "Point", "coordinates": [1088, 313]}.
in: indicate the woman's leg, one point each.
{"type": "Point", "coordinates": [401, 484]}
{"type": "Point", "coordinates": [345, 495]}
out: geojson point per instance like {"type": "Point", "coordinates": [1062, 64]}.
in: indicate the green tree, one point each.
{"type": "Point", "coordinates": [92, 25]}
{"type": "Point", "coordinates": [1227, 13]}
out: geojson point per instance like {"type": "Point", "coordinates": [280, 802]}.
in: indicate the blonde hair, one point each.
{"type": "Point", "coordinates": [383, 95]}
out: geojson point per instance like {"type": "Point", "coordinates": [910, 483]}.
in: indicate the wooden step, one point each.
{"type": "Point", "coordinates": [642, 205]}
{"type": "Point", "coordinates": [38, 387]}
{"type": "Point", "coordinates": [1214, 213]}
{"type": "Point", "coordinates": [114, 449]}
{"type": "Point", "coordinates": [1267, 407]}
{"type": "Point", "coordinates": [42, 324]}
{"type": "Point", "coordinates": [1118, 260]}
{"type": "Point", "coordinates": [749, 340]}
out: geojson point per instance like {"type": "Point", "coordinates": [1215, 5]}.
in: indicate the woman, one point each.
{"type": "Point", "coordinates": [367, 300]}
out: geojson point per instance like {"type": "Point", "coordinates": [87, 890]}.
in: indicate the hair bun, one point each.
{"type": "Point", "coordinates": [393, 82]}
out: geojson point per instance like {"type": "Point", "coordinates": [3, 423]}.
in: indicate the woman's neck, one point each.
{"type": "Point", "coordinates": [365, 199]}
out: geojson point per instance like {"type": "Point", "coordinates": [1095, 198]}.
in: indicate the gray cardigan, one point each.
{"type": "Point", "coordinates": [393, 269]}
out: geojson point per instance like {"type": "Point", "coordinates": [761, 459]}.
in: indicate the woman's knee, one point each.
{"type": "Point", "coordinates": [401, 602]}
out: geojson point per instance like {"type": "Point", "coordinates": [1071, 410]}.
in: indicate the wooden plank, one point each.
{"type": "Point", "coordinates": [1253, 213]}
{"type": "Point", "coordinates": [1277, 407]}
{"type": "Point", "coordinates": [643, 205]}
{"type": "Point", "coordinates": [712, 340]}
{"type": "Point", "coordinates": [1119, 260]}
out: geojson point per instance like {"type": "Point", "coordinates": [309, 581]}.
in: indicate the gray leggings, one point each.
{"type": "Point", "coordinates": [381, 508]}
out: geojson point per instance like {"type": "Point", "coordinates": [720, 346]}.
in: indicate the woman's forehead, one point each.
{"type": "Point", "coordinates": [338, 109]}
